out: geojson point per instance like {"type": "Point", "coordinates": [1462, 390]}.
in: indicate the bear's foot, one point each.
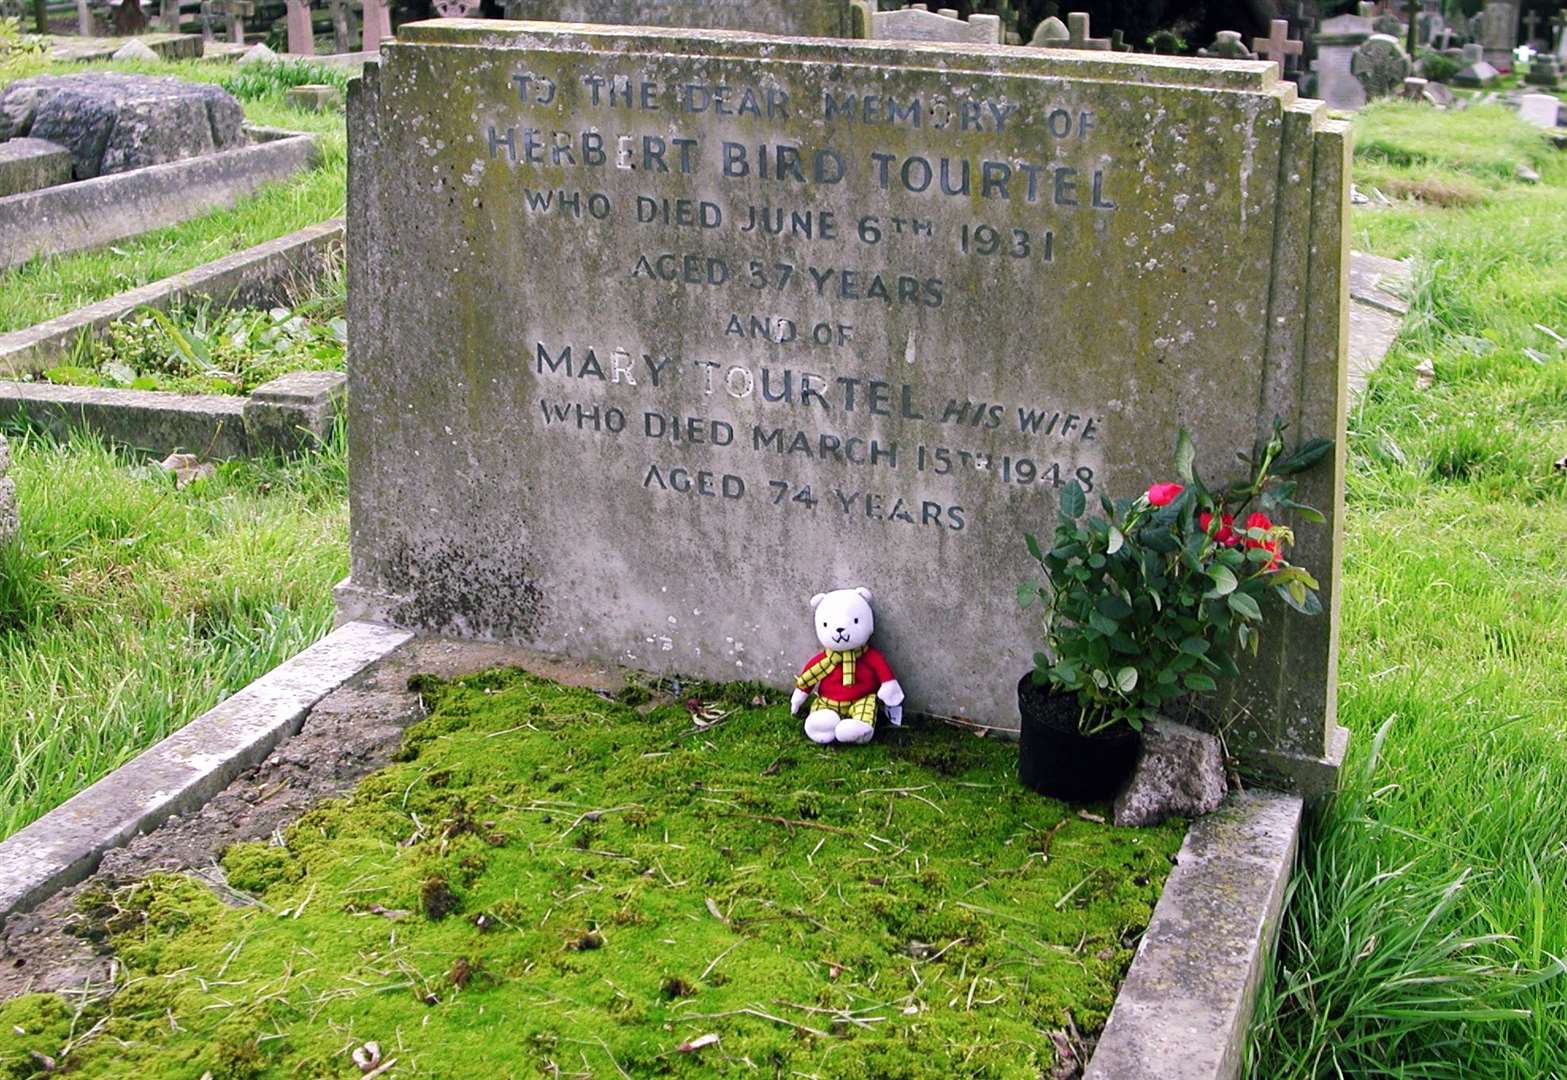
{"type": "Point", "coordinates": [822, 726]}
{"type": "Point", "coordinates": [852, 731]}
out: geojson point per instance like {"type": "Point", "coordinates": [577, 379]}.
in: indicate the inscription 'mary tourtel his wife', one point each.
{"type": "Point", "coordinates": [660, 329]}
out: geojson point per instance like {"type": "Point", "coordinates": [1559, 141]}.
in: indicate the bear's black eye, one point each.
{"type": "Point", "coordinates": [824, 626]}
{"type": "Point", "coordinates": [856, 622]}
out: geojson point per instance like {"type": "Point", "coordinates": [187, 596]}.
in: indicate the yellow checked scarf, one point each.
{"type": "Point", "coordinates": [811, 676]}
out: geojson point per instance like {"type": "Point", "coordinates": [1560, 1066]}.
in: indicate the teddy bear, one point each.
{"type": "Point", "coordinates": [843, 682]}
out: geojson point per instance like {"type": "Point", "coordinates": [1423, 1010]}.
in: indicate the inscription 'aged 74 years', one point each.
{"type": "Point", "coordinates": [658, 333]}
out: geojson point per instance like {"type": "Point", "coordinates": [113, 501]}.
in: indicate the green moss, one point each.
{"type": "Point", "coordinates": [553, 880]}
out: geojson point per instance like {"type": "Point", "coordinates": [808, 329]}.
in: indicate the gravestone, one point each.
{"type": "Point", "coordinates": [344, 31]}
{"type": "Point", "coordinates": [1050, 34]}
{"type": "Point", "coordinates": [918, 23]}
{"type": "Point", "coordinates": [1476, 72]}
{"type": "Point", "coordinates": [1499, 33]}
{"type": "Point", "coordinates": [1336, 42]}
{"type": "Point", "coordinates": [377, 25]}
{"type": "Point", "coordinates": [656, 333]}
{"type": "Point", "coordinates": [807, 18]}
{"type": "Point", "coordinates": [1541, 110]}
{"type": "Point", "coordinates": [1544, 70]}
{"type": "Point", "coordinates": [9, 521]}
{"type": "Point", "coordinates": [1380, 65]}
{"type": "Point", "coordinates": [1228, 46]}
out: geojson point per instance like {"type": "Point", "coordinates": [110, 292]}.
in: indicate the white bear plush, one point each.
{"type": "Point", "coordinates": [843, 683]}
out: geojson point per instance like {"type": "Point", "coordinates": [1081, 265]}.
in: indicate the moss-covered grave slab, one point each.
{"type": "Point", "coordinates": [550, 882]}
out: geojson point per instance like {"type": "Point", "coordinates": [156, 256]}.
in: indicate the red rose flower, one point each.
{"type": "Point", "coordinates": [1262, 521]}
{"type": "Point", "coordinates": [1163, 494]}
{"type": "Point", "coordinates": [1226, 534]}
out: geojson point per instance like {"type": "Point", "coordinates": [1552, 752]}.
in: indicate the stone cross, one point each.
{"type": "Point", "coordinates": [1078, 34]}
{"type": "Point", "coordinates": [169, 16]}
{"type": "Point", "coordinates": [1531, 24]}
{"type": "Point", "coordinates": [206, 20]}
{"type": "Point", "coordinates": [83, 19]}
{"type": "Point", "coordinates": [301, 34]}
{"type": "Point", "coordinates": [1118, 42]}
{"type": "Point", "coordinates": [1277, 45]}
{"type": "Point", "coordinates": [236, 10]}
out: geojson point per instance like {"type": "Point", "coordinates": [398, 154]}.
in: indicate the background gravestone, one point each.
{"type": "Point", "coordinates": [918, 23]}
{"type": "Point", "coordinates": [1380, 65]}
{"type": "Point", "coordinates": [809, 18]}
{"type": "Point", "coordinates": [113, 123]}
{"type": "Point", "coordinates": [9, 521]}
{"type": "Point", "coordinates": [1499, 33]}
{"type": "Point", "coordinates": [657, 333]}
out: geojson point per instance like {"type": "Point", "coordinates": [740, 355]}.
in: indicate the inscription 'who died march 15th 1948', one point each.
{"type": "Point", "coordinates": [638, 126]}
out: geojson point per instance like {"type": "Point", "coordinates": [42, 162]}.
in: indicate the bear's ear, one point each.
{"type": "Point", "coordinates": [865, 594]}
{"type": "Point", "coordinates": [816, 600]}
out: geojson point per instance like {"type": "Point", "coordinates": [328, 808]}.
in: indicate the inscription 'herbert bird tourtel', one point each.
{"type": "Point", "coordinates": [658, 332]}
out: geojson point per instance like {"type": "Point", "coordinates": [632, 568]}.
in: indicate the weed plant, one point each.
{"type": "Point", "coordinates": [129, 607]}
{"type": "Point", "coordinates": [203, 350]}
{"type": "Point", "coordinates": [1424, 932]}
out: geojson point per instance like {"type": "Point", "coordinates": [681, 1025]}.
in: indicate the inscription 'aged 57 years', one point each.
{"type": "Point", "coordinates": [706, 324]}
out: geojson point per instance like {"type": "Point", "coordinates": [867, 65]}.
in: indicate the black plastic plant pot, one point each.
{"type": "Point", "coordinates": [1055, 759]}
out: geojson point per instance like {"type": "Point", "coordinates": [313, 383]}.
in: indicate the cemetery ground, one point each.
{"type": "Point", "coordinates": [45, 288]}
{"type": "Point", "coordinates": [1421, 936]}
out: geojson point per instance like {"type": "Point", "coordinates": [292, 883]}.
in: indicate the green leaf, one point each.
{"type": "Point", "coordinates": [1166, 677]}
{"type": "Point", "coordinates": [1185, 455]}
{"type": "Point", "coordinates": [1194, 646]}
{"type": "Point", "coordinates": [1116, 542]}
{"type": "Point", "coordinates": [1105, 626]}
{"type": "Point", "coordinates": [1245, 606]}
{"type": "Point", "coordinates": [1073, 501]}
{"type": "Point", "coordinates": [1305, 456]}
{"type": "Point", "coordinates": [1309, 605]}
{"type": "Point", "coordinates": [1196, 680]}
{"type": "Point", "coordinates": [1026, 592]}
{"type": "Point", "coordinates": [1033, 546]}
{"type": "Point", "coordinates": [1224, 582]}
{"type": "Point", "coordinates": [1113, 607]}
{"type": "Point", "coordinates": [1126, 679]}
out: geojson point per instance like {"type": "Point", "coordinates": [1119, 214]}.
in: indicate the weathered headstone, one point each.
{"type": "Point", "coordinates": [658, 332]}
{"type": "Point", "coordinates": [1078, 36]}
{"type": "Point", "coordinates": [10, 523]}
{"type": "Point", "coordinates": [1544, 70]}
{"type": "Point", "coordinates": [918, 23]}
{"type": "Point", "coordinates": [377, 25]}
{"type": "Point", "coordinates": [1050, 34]}
{"type": "Point", "coordinates": [1228, 46]}
{"type": "Point", "coordinates": [1499, 33]}
{"type": "Point", "coordinates": [1476, 72]}
{"type": "Point", "coordinates": [808, 18]}
{"type": "Point", "coordinates": [1389, 24]}
{"type": "Point", "coordinates": [31, 164]}
{"type": "Point", "coordinates": [1118, 42]}
{"type": "Point", "coordinates": [1380, 65]}
{"type": "Point", "coordinates": [343, 29]}
{"type": "Point", "coordinates": [1414, 89]}
{"type": "Point", "coordinates": [1541, 110]}
{"type": "Point", "coordinates": [235, 12]}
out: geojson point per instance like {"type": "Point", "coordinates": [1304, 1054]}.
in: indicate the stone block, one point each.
{"type": "Point", "coordinates": [295, 411]}
{"type": "Point", "coordinates": [315, 97]}
{"type": "Point", "coordinates": [807, 18]}
{"type": "Point", "coordinates": [1179, 773]}
{"type": "Point", "coordinates": [1541, 110]}
{"type": "Point", "coordinates": [31, 164]}
{"type": "Point", "coordinates": [112, 122]}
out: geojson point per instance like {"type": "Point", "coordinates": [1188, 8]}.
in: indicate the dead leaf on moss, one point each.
{"type": "Point", "coordinates": [691, 1045]}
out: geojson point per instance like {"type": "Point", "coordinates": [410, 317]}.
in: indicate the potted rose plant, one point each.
{"type": "Point", "coordinates": [1151, 601]}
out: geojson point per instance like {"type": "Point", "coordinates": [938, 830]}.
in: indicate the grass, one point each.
{"type": "Point", "coordinates": [1424, 931]}
{"type": "Point", "coordinates": [548, 881]}
{"type": "Point", "coordinates": [131, 607]}
{"type": "Point", "coordinates": [45, 288]}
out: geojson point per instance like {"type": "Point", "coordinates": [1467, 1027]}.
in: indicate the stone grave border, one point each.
{"type": "Point", "coordinates": [280, 416]}
{"type": "Point", "coordinates": [1182, 1011]}
{"type": "Point", "coordinates": [74, 217]}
